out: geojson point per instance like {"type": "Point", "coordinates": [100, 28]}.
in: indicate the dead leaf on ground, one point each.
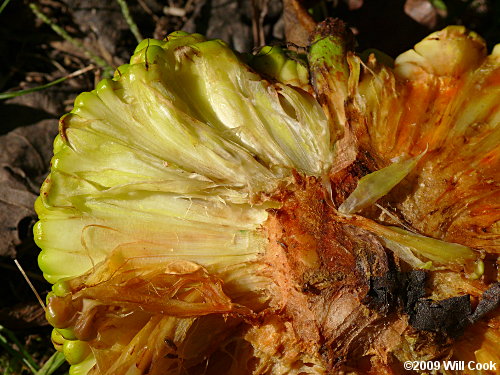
{"type": "Point", "coordinates": [298, 23]}
{"type": "Point", "coordinates": [423, 12]}
{"type": "Point", "coordinates": [23, 315]}
{"type": "Point", "coordinates": [225, 20]}
{"type": "Point", "coordinates": [25, 155]}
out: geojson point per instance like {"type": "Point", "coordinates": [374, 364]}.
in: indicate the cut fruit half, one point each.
{"type": "Point", "coordinates": [207, 217]}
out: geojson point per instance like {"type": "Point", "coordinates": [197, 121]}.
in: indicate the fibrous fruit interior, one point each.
{"type": "Point", "coordinates": [203, 216]}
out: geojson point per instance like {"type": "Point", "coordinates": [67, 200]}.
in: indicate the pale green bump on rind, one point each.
{"type": "Point", "coordinates": [121, 70]}
{"type": "Point", "coordinates": [58, 143]}
{"type": "Point", "coordinates": [75, 351]}
{"type": "Point", "coordinates": [147, 43]}
{"type": "Point", "coordinates": [144, 51]}
{"type": "Point", "coordinates": [284, 66]}
{"type": "Point", "coordinates": [269, 60]}
{"type": "Point", "coordinates": [57, 340]}
{"type": "Point", "coordinates": [174, 40]}
{"type": "Point", "coordinates": [66, 333]}
{"type": "Point", "coordinates": [61, 288]}
{"type": "Point", "coordinates": [375, 185]}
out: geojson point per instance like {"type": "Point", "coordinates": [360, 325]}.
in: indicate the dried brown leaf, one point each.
{"type": "Point", "coordinates": [298, 23]}
{"type": "Point", "coordinates": [422, 11]}
{"type": "Point", "coordinates": [24, 160]}
{"type": "Point", "coordinates": [23, 315]}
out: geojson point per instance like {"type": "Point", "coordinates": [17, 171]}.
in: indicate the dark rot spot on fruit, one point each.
{"type": "Point", "coordinates": [396, 290]}
{"type": "Point", "coordinates": [449, 316]}
{"type": "Point", "coordinates": [452, 315]}
{"type": "Point", "coordinates": [489, 302]}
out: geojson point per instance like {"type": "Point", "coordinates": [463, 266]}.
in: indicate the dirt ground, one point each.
{"type": "Point", "coordinates": [34, 54]}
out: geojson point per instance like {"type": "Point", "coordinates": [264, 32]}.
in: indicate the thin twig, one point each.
{"type": "Point", "coordinates": [30, 284]}
{"type": "Point", "coordinates": [62, 33]}
{"type": "Point", "coordinates": [12, 94]}
{"type": "Point", "coordinates": [148, 10]}
{"type": "Point", "coordinates": [174, 11]}
{"type": "Point", "coordinates": [130, 21]}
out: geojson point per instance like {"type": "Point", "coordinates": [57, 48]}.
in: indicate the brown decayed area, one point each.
{"type": "Point", "coordinates": [322, 268]}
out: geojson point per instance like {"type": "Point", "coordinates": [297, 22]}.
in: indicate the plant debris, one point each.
{"type": "Point", "coordinates": [24, 159]}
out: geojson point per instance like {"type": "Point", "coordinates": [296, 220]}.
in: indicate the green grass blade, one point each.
{"type": "Point", "coordinates": [8, 348]}
{"type": "Point", "coordinates": [130, 21]}
{"type": "Point", "coordinates": [21, 353]}
{"type": "Point", "coordinates": [53, 363]}
{"type": "Point", "coordinates": [62, 33]}
{"type": "Point", "coordinates": [4, 4]}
